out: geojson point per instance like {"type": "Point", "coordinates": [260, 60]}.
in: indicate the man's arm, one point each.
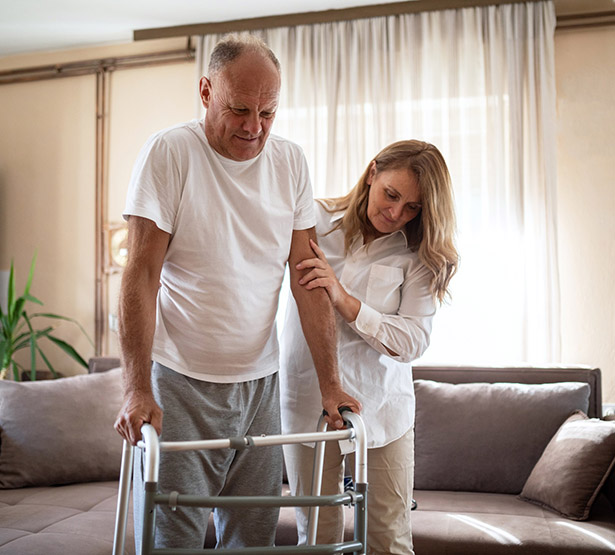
{"type": "Point", "coordinates": [318, 324]}
{"type": "Point", "coordinates": [147, 245]}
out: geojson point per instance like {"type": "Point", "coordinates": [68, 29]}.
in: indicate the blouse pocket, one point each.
{"type": "Point", "coordinates": [383, 288]}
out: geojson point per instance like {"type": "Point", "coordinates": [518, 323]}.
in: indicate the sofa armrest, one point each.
{"type": "Point", "coordinates": [102, 364]}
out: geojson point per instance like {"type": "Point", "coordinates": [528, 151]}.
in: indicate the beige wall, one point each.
{"type": "Point", "coordinates": [47, 172]}
{"type": "Point", "coordinates": [47, 179]}
{"type": "Point", "coordinates": [47, 196]}
{"type": "Point", "coordinates": [585, 75]}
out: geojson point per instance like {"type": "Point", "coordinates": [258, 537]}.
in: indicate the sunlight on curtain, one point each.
{"type": "Point", "coordinates": [479, 84]}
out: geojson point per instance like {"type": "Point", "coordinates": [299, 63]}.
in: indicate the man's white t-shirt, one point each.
{"type": "Point", "coordinates": [231, 226]}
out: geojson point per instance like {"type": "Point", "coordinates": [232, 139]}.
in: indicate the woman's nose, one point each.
{"type": "Point", "coordinates": [395, 211]}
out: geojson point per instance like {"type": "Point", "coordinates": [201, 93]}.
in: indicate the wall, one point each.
{"type": "Point", "coordinates": [585, 76]}
{"type": "Point", "coordinates": [47, 179]}
{"type": "Point", "coordinates": [47, 172]}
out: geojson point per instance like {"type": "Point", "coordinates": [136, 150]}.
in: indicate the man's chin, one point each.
{"type": "Point", "coordinates": [245, 150]}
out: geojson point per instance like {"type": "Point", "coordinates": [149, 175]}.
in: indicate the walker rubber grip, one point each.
{"type": "Point", "coordinates": [340, 410]}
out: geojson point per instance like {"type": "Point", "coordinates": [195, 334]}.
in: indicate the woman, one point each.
{"type": "Point", "coordinates": [386, 257]}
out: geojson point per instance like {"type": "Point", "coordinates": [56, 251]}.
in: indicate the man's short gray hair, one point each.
{"type": "Point", "coordinates": [231, 46]}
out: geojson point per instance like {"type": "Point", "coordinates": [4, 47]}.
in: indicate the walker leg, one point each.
{"type": "Point", "coordinates": [123, 498]}
{"type": "Point", "coordinates": [360, 514]}
{"type": "Point", "coordinates": [360, 518]}
{"type": "Point", "coordinates": [149, 518]}
{"type": "Point", "coordinates": [319, 461]}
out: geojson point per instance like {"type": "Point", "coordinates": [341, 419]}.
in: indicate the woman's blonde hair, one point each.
{"type": "Point", "coordinates": [432, 231]}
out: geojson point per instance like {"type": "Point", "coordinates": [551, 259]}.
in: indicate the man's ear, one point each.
{"type": "Point", "coordinates": [205, 91]}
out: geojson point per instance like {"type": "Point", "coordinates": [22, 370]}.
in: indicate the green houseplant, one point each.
{"type": "Point", "coordinates": [17, 331]}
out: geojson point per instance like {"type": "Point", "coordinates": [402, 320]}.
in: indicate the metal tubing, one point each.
{"type": "Point", "coordinates": [149, 518]}
{"type": "Point", "coordinates": [152, 453]}
{"type": "Point", "coordinates": [183, 500]}
{"type": "Point", "coordinates": [346, 547]}
{"type": "Point", "coordinates": [358, 429]}
{"type": "Point", "coordinates": [361, 441]}
{"type": "Point", "coordinates": [123, 498]}
{"type": "Point", "coordinates": [257, 441]}
{"type": "Point", "coordinates": [319, 459]}
{"type": "Point", "coordinates": [360, 517]}
{"type": "Point", "coordinates": [360, 472]}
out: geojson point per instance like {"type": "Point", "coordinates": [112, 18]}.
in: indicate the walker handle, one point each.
{"type": "Point", "coordinates": [340, 410]}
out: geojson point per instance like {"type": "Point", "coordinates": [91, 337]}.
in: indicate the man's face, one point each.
{"type": "Point", "coordinates": [241, 101]}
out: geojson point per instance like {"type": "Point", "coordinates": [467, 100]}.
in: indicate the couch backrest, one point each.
{"type": "Point", "coordinates": [519, 374]}
{"type": "Point", "coordinates": [484, 429]}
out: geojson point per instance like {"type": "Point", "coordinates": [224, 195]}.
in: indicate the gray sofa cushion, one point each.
{"type": "Point", "coordinates": [60, 431]}
{"type": "Point", "coordinates": [77, 519]}
{"type": "Point", "coordinates": [468, 523]}
{"type": "Point", "coordinates": [487, 437]}
{"type": "Point", "coordinates": [573, 467]}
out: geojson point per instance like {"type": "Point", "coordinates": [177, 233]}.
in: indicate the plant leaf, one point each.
{"type": "Point", "coordinates": [69, 350]}
{"type": "Point", "coordinates": [10, 292]}
{"type": "Point", "coordinates": [33, 347]}
{"type": "Point", "coordinates": [23, 340]}
{"type": "Point", "coordinates": [16, 374]}
{"type": "Point", "coordinates": [31, 298]}
{"type": "Point", "coordinates": [30, 275]}
{"type": "Point", "coordinates": [65, 318]}
{"type": "Point", "coordinates": [17, 311]}
{"type": "Point", "coordinates": [49, 365]}
{"type": "Point", "coordinates": [3, 351]}
{"type": "Point", "coordinates": [33, 357]}
{"type": "Point", "coordinates": [4, 322]}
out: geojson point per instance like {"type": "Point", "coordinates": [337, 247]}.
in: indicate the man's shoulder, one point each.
{"type": "Point", "coordinates": [185, 131]}
{"type": "Point", "coordinates": [282, 146]}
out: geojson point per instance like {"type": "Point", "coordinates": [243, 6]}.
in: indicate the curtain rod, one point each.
{"type": "Point", "coordinates": [309, 18]}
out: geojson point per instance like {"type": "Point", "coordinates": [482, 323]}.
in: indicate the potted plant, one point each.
{"type": "Point", "coordinates": [17, 332]}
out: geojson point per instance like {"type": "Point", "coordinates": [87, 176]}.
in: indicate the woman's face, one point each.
{"type": "Point", "coordinates": [394, 199]}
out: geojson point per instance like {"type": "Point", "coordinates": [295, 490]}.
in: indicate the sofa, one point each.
{"type": "Point", "coordinates": [59, 465]}
{"type": "Point", "coordinates": [501, 466]}
{"type": "Point", "coordinates": [480, 436]}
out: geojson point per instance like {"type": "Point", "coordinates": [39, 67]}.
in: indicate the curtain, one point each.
{"type": "Point", "coordinates": [479, 84]}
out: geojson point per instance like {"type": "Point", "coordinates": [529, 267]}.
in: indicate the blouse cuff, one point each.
{"type": "Point", "coordinates": [368, 320]}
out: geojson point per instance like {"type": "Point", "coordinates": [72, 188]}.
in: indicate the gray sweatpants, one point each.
{"type": "Point", "coordinates": [195, 409]}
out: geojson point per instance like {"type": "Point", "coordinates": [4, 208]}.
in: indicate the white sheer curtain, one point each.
{"type": "Point", "coordinates": [479, 84]}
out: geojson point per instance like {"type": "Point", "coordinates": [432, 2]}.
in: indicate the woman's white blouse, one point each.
{"type": "Point", "coordinates": [397, 308]}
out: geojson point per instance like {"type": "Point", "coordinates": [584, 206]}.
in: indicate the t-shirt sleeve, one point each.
{"type": "Point", "coordinates": [304, 207]}
{"type": "Point", "coordinates": [155, 185]}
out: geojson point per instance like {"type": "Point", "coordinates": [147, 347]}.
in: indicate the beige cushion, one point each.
{"type": "Point", "coordinates": [573, 467]}
{"type": "Point", "coordinates": [60, 431]}
{"type": "Point", "coordinates": [486, 437]}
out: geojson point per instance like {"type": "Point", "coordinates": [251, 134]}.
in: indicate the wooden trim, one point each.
{"type": "Point", "coordinates": [309, 18]}
{"type": "Point", "coordinates": [91, 67]}
{"type": "Point", "coordinates": [100, 304]}
{"type": "Point", "coordinates": [585, 20]}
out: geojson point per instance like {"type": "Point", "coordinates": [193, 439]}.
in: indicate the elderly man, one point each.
{"type": "Point", "coordinates": [215, 210]}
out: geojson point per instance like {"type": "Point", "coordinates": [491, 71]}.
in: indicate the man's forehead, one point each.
{"type": "Point", "coordinates": [239, 94]}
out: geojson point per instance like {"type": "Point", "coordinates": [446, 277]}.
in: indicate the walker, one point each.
{"type": "Point", "coordinates": [152, 447]}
